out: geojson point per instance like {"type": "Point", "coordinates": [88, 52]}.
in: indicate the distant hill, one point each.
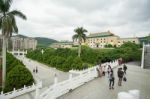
{"type": "Point", "coordinates": [19, 35]}
{"type": "Point", "coordinates": [42, 41]}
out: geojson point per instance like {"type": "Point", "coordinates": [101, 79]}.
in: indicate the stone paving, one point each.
{"type": "Point", "coordinates": [137, 78]}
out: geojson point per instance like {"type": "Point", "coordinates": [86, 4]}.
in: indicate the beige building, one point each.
{"type": "Point", "coordinates": [62, 45]}
{"type": "Point", "coordinates": [100, 40]}
{"type": "Point", "coordinates": [19, 43]}
{"type": "Point", "coordinates": [123, 40]}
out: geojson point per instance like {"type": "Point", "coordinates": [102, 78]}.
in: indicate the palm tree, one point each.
{"type": "Point", "coordinates": [80, 36]}
{"type": "Point", "coordinates": [7, 27]}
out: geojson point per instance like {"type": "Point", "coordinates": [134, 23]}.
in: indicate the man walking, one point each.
{"type": "Point", "coordinates": [120, 76]}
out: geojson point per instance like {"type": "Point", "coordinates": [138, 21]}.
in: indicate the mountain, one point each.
{"type": "Point", "coordinates": [42, 41]}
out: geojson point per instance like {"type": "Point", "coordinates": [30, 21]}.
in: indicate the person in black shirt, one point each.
{"type": "Point", "coordinates": [124, 68]}
{"type": "Point", "coordinates": [120, 76]}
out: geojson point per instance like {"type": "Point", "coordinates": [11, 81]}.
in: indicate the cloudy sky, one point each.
{"type": "Point", "coordinates": [58, 18]}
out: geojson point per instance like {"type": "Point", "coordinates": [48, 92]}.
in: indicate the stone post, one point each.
{"type": "Point", "coordinates": [142, 61]}
{"type": "Point", "coordinates": [55, 79]}
{"type": "Point", "coordinates": [135, 93]}
{"type": "Point", "coordinates": [37, 93]}
{"type": "Point", "coordinates": [124, 95]}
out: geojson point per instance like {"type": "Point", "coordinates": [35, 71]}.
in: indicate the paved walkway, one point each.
{"type": "Point", "coordinates": [98, 88]}
{"type": "Point", "coordinates": [45, 73]}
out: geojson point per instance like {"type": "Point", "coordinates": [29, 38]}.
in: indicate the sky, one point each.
{"type": "Point", "coordinates": [57, 19]}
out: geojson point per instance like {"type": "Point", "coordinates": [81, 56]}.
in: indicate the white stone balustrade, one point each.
{"type": "Point", "coordinates": [113, 64]}
{"type": "Point", "coordinates": [63, 87]}
{"type": "Point", "coordinates": [21, 91]}
{"type": "Point", "coordinates": [132, 94]}
{"type": "Point", "coordinates": [18, 52]}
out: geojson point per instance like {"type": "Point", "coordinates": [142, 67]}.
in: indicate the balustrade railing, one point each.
{"type": "Point", "coordinates": [18, 92]}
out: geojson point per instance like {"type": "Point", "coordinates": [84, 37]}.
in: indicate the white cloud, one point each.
{"type": "Point", "coordinates": [57, 18]}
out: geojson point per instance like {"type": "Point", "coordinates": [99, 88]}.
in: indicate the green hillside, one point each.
{"type": "Point", "coordinates": [42, 41]}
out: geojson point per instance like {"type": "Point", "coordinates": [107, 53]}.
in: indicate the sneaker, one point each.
{"type": "Point", "coordinates": [109, 87]}
{"type": "Point", "coordinates": [112, 87]}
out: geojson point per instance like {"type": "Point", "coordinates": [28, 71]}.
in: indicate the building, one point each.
{"type": "Point", "coordinates": [30, 43]}
{"type": "Point", "coordinates": [62, 44]}
{"type": "Point", "coordinates": [100, 40]}
{"type": "Point", "coordinates": [17, 43]}
{"type": "Point", "coordinates": [20, 43]}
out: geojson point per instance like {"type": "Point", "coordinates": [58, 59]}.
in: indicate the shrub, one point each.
{"type": "Point", "coordinates": [18, 77]}
{"type": "Point", "coordinates": [77, 64]}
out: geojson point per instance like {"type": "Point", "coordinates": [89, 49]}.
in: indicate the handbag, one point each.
{"type": "Point", "coordinates": [124, 79]}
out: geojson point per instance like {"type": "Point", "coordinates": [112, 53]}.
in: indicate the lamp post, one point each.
{"type": "Point", "coordinates": [42, 51]}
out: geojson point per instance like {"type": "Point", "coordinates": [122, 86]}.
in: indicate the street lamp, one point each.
{"type": "Point", "coordinates": [42, 51]}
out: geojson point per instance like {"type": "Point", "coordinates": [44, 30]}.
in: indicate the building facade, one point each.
{"type": "Point", "coordinates": [19, 43]}
{"type": "Point", "coordinates": [62, 45]}
{"type": "Point", "coordinates": [100, 40]}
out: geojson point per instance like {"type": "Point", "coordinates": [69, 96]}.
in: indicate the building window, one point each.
{"type": "Point", "coordinates": [111, 40]}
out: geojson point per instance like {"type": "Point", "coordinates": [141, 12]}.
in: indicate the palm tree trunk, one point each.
{"type": "Point", "coordinates": [4, 61]}
{"type": "Point", "coordinates": [79, 50]}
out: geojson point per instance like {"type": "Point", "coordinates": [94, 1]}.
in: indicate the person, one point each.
{"type": "Point", "coordinates": [104, 70]}
{"type": "Point", "coordinates": [36, 69]}
{"type": "Point", "coordinates": [111, 79]}
{"type": "Point", "coordinates": [124, 68]}
{"type": "Point", "coordinates": [100, 70]}
{"type": "Point", "coordinates": [33, 70]}
{"type": "Point", "coordinates": [120, 61]}
{"type": "Point", "coordinates": [120, 76]}
{"type": "Point", "coordinates": [108, 69]}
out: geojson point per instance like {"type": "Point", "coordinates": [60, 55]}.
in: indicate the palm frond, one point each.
{"type": "Point", "coordinates": [18, 13]}
{"type": "Point", "coordinates": [15, 28]}
{"type": "Point", "coordinates": [5, 5]}
{"type": "Point", "coordinates": [75, 37]}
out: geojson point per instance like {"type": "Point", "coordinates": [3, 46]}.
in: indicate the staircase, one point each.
{"type": "Point", "coordinates": [147, 57]}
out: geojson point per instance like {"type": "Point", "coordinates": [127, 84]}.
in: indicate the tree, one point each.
{"type": "Point", "coordinates": [80, 36]}
{"type": "Point", "coordinates": [7, 26]}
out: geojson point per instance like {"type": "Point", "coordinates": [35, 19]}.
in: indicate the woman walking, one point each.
{"type": "Point", "coordinates": [109, 69]}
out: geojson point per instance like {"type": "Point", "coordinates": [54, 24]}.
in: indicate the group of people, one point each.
{"type": "Point", "coordinates": [121, 73]}
{"type": "Point", "coordinates": [35, 70]}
